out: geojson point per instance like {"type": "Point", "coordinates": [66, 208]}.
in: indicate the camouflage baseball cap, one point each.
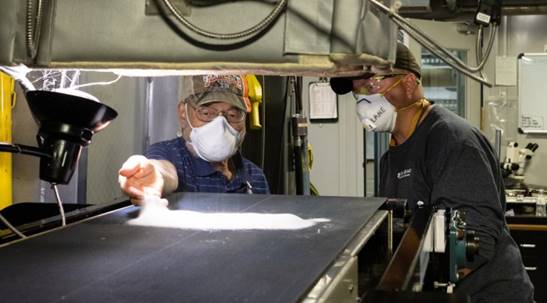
{"type": "Point", "coordinates": [204, 89]}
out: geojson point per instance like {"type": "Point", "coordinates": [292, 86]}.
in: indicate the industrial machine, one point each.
{"type": "Point", "coordinates": [242, 248]}
{"type": "Point", "coordinates": [349, 253]}
{"type": "Point", "coordinates": [336, 249]}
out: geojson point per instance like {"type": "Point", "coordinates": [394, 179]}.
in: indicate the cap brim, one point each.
{"type": "Point", "coordinates": [344, 85]}
{"type": "Point", "coordinates": [341, 86]}
{"type": "Point", "coordinates": [211, 97]}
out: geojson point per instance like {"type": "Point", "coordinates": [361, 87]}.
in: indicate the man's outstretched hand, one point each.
{"type": "Point", "coordinates": [140, 177]}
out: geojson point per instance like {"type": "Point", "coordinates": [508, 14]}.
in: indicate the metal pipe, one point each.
{"type": "Point", "coordinates": [433, 46]}
{"type": "Point", "coordinates": [497, 141]}
{"type": "Point", "coordinates": [407, 26]}
{"type": "Point", "coordinates": [450, 63]}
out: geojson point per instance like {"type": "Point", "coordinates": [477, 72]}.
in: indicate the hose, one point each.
{"type": "Point", "coordinates": [33, 27]}
{"type": "Point", "coordinates": [254, 30]}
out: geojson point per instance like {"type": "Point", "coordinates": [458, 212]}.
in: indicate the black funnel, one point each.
{"type": "Point", "coordinates": [67, 123]}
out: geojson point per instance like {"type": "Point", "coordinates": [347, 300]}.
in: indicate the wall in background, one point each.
{"type": "Point", "coordinates": [26, 183]}
{"type": "Point", "coordinates": [123, 137]}
{"type": "Point", "coordinates": [338, 149]}
{"type": "Point", "coordinates": [519, 34]}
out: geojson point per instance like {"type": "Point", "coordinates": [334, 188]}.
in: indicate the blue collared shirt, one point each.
{"type": "Point", "coordinates": [198, 175]}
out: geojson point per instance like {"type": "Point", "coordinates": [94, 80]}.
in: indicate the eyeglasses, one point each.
{"type": "Point", "coordinates": [207, 114]}
{"type": "Point", "coordinates": [373, 84]}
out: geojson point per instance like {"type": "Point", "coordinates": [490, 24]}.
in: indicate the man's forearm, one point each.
{"type": "Point", "coordinates": [169, 174]}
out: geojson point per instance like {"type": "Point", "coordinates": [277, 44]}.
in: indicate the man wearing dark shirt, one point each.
{"type": "Point", "coordinates": [206, 157]}
{"type": "Point", "coordinates": [440, 159]}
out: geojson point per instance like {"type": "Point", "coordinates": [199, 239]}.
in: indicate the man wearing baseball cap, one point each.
{"type": "Point", "coordinates": [438, 158]}
{"type": "Point", "coordinates": [205, 158]}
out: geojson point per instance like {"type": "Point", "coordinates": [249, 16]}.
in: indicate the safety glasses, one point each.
{"type": "Point", "coordinates": [207, 114]}
{"type": "Point", "coordinates": [373, 84]}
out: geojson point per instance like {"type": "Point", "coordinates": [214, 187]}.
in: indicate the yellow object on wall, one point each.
{"type": "Point", "coordinates": [7, 100]}
{"type": "Point", "coordinates": [255, 94]}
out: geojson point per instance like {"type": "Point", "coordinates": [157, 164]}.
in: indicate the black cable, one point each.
{"type": "Point", "coordinates": [24, 149]}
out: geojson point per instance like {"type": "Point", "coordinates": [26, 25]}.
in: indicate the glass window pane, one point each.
{"type": "Point", "coordinates": [443, 84]}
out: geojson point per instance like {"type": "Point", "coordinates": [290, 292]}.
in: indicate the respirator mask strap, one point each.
{"type": "Point", "coordinates": [186, 116]}
{"type": "Point", "coordinates": [392, 86]}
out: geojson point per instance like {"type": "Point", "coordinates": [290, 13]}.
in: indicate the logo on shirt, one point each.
{"type": "Point", "coordinates": [404, 173]}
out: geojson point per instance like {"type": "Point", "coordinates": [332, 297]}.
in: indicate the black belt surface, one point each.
{"type": "Point", "coordinates": [106, 260]}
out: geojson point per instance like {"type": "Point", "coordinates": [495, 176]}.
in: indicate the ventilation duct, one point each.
{"type": "Point", "coordinates": [299, 36]}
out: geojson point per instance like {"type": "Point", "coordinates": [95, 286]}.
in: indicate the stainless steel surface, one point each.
{"type": "Point", "coordinates": [339, 283]}
{"type": "Point", "coordinates": [361, 239]}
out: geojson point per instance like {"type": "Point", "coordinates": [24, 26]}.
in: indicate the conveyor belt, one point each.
{"type": "Point", "coordinates": [106, 260]}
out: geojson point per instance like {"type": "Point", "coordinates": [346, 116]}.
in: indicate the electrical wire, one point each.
{"type": "Point", "coordinates": [230, 36]}
{"type": "Point", "coordinates": [23, 149]}
{"type": "Point", "coordinates": [97, 83]}
{"type": "Point", "coordinates": [59, 203]}
{"type": "Point", "coordinates": [11, 227]}
{"type": "Point", "coordinates": [61, 209]}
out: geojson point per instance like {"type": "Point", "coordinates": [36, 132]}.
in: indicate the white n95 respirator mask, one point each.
{"type": "Point", "coordinates": [215, 141]}
{"type": "Point", "coordinates": [376, 113]}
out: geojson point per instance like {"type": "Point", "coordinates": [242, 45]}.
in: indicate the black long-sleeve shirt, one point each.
{"type": "Point", "coordinates": [450, 164]}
